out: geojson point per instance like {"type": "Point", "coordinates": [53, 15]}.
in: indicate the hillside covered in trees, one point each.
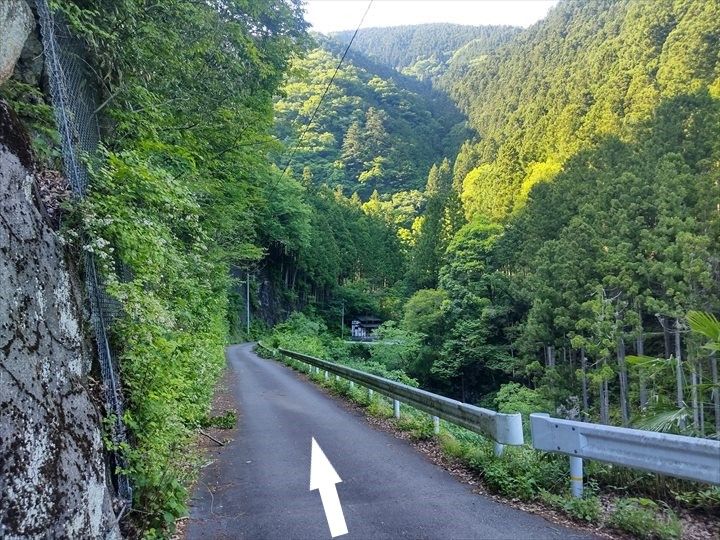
{"type": "Point", "coordinates": [561, 260]}
{"type": "Point", "coordinates": [579, 223]}
{"type": "Point", "coordinates": [376, 129]}
{"type": "Point", "coordinates": [426, 51]}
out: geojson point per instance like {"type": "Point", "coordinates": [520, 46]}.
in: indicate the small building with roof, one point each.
{"type": "Point", "coordinates": [362, 328]}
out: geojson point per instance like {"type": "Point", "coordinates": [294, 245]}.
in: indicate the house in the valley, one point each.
{"type": "Point", "coordinates": [362, 328]}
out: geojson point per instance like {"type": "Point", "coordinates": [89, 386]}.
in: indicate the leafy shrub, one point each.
{"type": "Point", "coordinates": [419, 426]}
{"type": "Point", "coordinates": [645, 519]}
{"type": "Point", "coordinates": [450, 445]}
{"type": "Point", "coordinates": [397, 348]}
{"type": "Point", "coordinates": [587, 508]}
{"type": "Point", "coordinates": [521, 472]}
{"type": "Point", "coordinates": [171, 332]}
{"type": "Point", "coordinates": [379, 407]}
{"type": "Point", "coordinates": [516, 398]}
{"type": "Point", "coordinates": [29, 104]}
{"type": "Point", "coordinates": [302, 334]}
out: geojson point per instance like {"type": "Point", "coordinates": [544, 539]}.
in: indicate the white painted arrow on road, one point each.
{"type": "Point", "coordinates": [323, 477]}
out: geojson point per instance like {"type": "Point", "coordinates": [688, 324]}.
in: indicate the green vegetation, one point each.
{"type": "Point", "coordinates": [227, 420]}
{"type": "Point", "coordinates": [180, 193]}
{"type": "Point", "coordinates": [523, 209]}
{"type": "Point", "coordinates": [645, 519]}
{"type": "Point", "coordinates": [372, 133]}
{"type": "Point", "coordinates": [310, 336]}
{"type": "Point", "coordinates": [552, 264]}
{"type": "Point", "coordinates": [582, 509]}
{"type": "Point", "coordinates": [425, 51]}
{"type": "Point", "coordinates": [580, 225]}
{"type": "Point", "coordinates": [29, 104]}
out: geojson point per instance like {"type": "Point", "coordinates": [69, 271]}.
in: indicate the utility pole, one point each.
{"type": "Point", "coordinates": [342, 322]}
{"type": "Point", "coordinates": [247, 301]}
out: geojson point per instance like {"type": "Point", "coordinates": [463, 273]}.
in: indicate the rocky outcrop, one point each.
{"type": "Point", "coordinates": [16, 22]}
{"type": "Point", "coordinates": [30, 66]}
{"type": "Point", "coordinates": [52, 471]}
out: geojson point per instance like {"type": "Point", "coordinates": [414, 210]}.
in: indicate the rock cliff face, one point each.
{"type": "Point", "coordinates": [16, 21]}
{"type": "Point", "coordinates": [52, 471]}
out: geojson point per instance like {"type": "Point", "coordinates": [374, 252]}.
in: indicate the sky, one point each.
{"type": "Point", "coordinates": [332, 15]}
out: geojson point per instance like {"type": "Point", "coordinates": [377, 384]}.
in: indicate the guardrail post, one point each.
{"type": "Point", "coordinates": [396, 408]}
{"type": "Point", "coordinates": [499, 449]}
{"type": "Point", "coordinates": [352, 385]}
{"type": "Point", "coordinates": [436, 425]}
{"type": "Point", "coordinates": [576, 476]}
{"type": "Point", "coordinates": [370, 393]}
{"type": "Point", "coordinates": [326, 376]}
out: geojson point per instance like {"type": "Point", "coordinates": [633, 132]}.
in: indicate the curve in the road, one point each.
{"type": "Point", "coordinates": [258, 489]}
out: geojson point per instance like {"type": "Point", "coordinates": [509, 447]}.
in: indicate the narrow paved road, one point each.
{"type": "Point", "coordinates": [259, 487]}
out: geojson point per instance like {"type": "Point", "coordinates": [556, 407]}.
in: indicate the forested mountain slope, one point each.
{"type": "Point", "coordinates": [376, 130]}
{"type": "Point", "coordinates": [591, 200]}
{"type": "Point", "coordinates": [580, 222]}
{"type": "Point", "coordinates": [589, 70]}
{"type": "Point", "coordinates": [424, 50]}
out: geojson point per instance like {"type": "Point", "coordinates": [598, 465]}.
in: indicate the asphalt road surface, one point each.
{"type": "Point", "coordinates": [258, 489]}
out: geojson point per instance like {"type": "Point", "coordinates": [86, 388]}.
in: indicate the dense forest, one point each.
{"type": "Point", "coordinates": [565, 257]}
{"type": "Point", "coordinates": [578, 225]}
{"type": "Point", "coordinates": [426, 51]}
{"type": "Point", "coordinates": [376, 129]}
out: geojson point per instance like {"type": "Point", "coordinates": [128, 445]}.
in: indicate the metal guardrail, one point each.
{"type": "Point", "coordinates": [504, 429]}
{"type": "Point", "coordinates": [690, 458]}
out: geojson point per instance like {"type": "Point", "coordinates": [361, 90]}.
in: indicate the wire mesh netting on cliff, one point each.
{"type": "Point", "coordinates": [74, 99]}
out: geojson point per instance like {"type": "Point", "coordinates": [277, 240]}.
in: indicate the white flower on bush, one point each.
{"type": "Point", "coordinates": [100, 247]}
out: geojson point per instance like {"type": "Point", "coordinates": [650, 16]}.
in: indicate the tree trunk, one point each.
{"type": "Point", "coordinates": [640, 351]}
{"type": "Point", "coordinates": [694, 394]}
{"type": "Point", "coordinates": [604, 403]}
{"type": "Point", "coordinates": [550, 356]}
{"type": "Point", "coordinates": [701, 404]}
{"type": "Point", "coordinates": [716, 391]}
{"type": "Point", "coordinates": [679, 371]}
{"type": "Point", "coordinates": [666, 337]}
{"type": "Point", "coordinates": [680, 397]}
{"type": "Point", "coordinates": [625, 413]}
{"type": "Point", "coordinates": [583, 367]}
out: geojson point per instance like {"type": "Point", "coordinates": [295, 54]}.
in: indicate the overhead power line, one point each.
{"type": "Point", "coordinates": [327, 88]}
